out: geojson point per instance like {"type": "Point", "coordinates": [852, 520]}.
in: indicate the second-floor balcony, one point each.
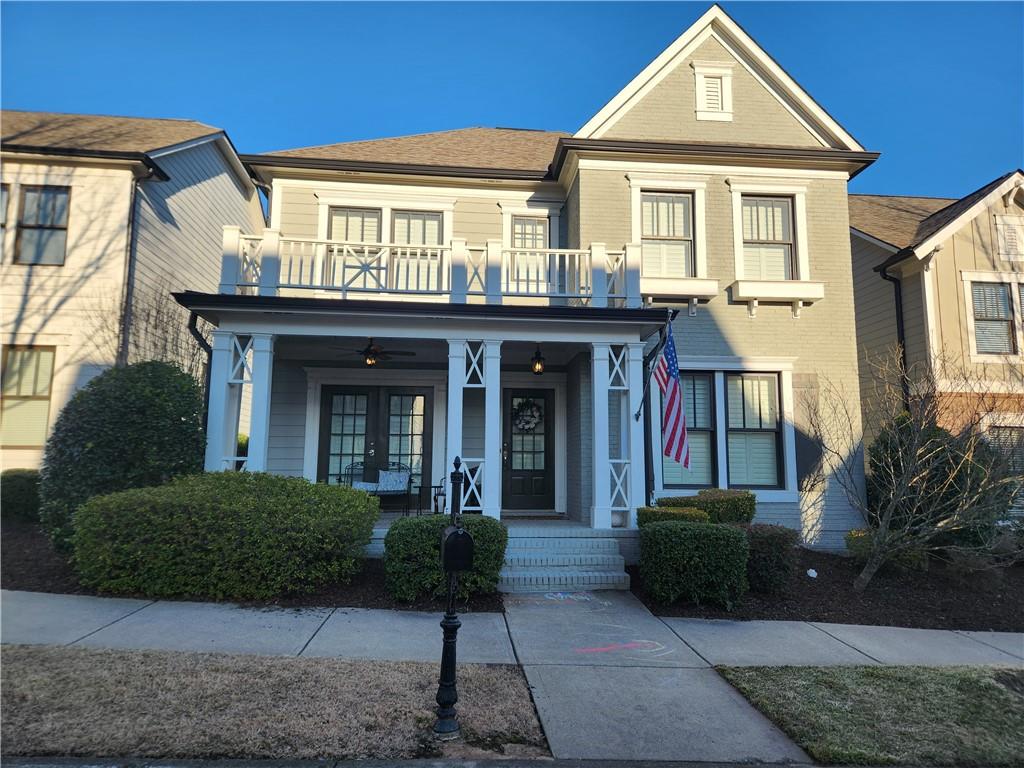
{"type": "Point", "coordinates": [457, 271]}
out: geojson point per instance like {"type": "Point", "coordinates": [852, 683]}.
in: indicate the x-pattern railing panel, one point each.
{"type": "Point", "coordinates": [618, 377]}
{"type": "Point", "coordinates": [472, 485]}
{"type": "Point", "coordinates": [620, 484]}
{"type": "Point", "coordinates": [476, 271]}
{"type": "Point", "coordinates": [475, 364]}
{"type": "Point", "coordinates": [241, 370]}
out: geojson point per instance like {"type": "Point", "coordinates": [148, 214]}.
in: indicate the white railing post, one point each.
{"type": "Point", "coordinates": [460, 275]}
{"type": "Point", "coordinates": [601, 513]}
{"type": "Point", "coordinates": [230, 260]}
{"type": "Point", "coordinates": [631, 275]}
{"type": "Point", "coordinates": [637, 468]}
{"type": "Point", "coordinates": [270, 263]}
{"type": "Point", "coordinates": [456, 382]}
{"type": "Point", "coordinates": [598, 275]}
{"type": "Point", "coordinates": [492, 276]}
{"type": "Point", "coordinates": [492, 429]}
{"type": "Point", "coordinates": [259, 419]}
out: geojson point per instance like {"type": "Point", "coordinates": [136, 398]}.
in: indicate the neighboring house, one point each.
{"type": "Point", "coordinates": [101, 216]}
{"type": "Point", "coordinates": [953, 301]}
{"type": "Point", "coordinates": [396, 309]}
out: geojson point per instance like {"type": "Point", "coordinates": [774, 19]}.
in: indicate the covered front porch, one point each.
{"type": "Point", "coordinates": [537, 402]}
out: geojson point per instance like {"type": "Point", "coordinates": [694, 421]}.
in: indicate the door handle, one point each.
{"type": "Point", "coordinates": [372, 451]}
{"type": "Point", "coordinates": [504, 454]}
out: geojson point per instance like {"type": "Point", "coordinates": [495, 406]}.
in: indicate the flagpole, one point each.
{"type": "Point", "coordinates": [672, 314]}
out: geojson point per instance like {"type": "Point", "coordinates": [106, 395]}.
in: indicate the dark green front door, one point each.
{"type": "Point", "coordinates": [528, 479]}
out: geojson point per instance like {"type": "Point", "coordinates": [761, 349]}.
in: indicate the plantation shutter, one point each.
{"type": "Point", "coordinates": [354, 225]}
{"type": "Point", "coordinates": [1010, 237]}
{"type": "Point", "coordinates": [666, 235]}
{"type": "Point", "coordinates": [713, 94]}
{"type": "Point", "coordinates": [993, 326]}
{"type": "Point", "coordinates": [697, 396]}
{"type": "Point", "coordinates": [767, 238]}
{"type": "Point", "coordinates": [25, 399]}
{"type": "Point", "coordinates": [417, 228]}
{"type": "Point", "coordinates": [753, 422]}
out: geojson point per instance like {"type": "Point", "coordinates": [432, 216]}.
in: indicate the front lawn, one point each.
{"type": "Point", "coordinates": [893, 715]}
{"type": "Point", "coordinates": [87, 703]}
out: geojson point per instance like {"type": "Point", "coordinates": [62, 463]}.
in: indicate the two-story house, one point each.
{"type": "Point", "coordinates": [99, 217]}
{"type": "Point", "coordinates": [941, 282]}
{"type": "Point", "coordinates": [492, 294]}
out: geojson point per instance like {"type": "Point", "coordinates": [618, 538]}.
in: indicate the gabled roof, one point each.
{"type": "Point", "coordinates": [915, 225]}
{"type": "Point", "coordinates": [92, 134]}
{"type": "Point", "coordinates": [511, 149]}
{"type": "Point", "coordinates": [716, 23]}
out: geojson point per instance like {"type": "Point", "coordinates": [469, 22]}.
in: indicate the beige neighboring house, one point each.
{"type": "Point", "coordinates": [944, 278]}
{"type": "Point", "coordinates": [494, 294]}
{"type": "Point", "coordinates": [101, 218]}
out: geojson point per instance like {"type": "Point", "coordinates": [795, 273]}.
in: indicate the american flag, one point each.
{"type": "Point", "coordinates": [673, 425]}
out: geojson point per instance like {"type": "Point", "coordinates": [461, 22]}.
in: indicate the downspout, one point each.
{"type": "Point", "coordinates": [128, 293]}
{"type": "Point", "coordinates": [901, 338]}
{"type": "Point", "coordinates": [205, 345]}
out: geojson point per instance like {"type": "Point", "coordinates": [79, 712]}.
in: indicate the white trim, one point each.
{"type": "Point", "coordinates": [225, 148]}
{"type": "Point", "coordinates": [387, 205]}
{"type": "Point", "coordinates": [721, 70]}
{"type": "Point", "coordinates": [928, 305]}
{"type": "Point", "coordinates": [550, 210]}
{"type": "Point", "coordinates": [780, 175]}
{"type": "Point", "coordinates": [887, 247]}
{"type": "Point", "coordinates": [546, 191]}
{"type": "Point", "coordinates": [1011, 182]}
{"type": "Point", "coordinates": [717, 23]}
{"type": "Point", "coordinates": [1014, 280]}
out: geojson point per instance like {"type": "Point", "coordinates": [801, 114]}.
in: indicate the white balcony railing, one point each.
{"type": "Point", "coordinates": [268, 263]}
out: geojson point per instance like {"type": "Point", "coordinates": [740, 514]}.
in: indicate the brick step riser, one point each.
{"type": "Point", "coordinates": [596, 562]}
{"type": "Point", "coordinates": [550, 581]}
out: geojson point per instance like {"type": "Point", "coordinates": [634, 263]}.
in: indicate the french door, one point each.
{"type": "Point", "coordinates": [366, 429]}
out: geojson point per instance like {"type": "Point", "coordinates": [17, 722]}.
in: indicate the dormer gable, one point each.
{"type": "Point", "coordinates": [715, 84]}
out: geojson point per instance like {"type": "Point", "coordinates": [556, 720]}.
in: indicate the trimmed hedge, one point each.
{"type": "Point", "coordinates": [223, 535]}
{"type": "Point", "coordinates": [19, 494]}
{"type": "Point", "coordinates": [697, 562]}
{"type": "Point", "coordinates": [722, 505]}
{"type": "Point", "coordinates": [645, 515]}
{"type": "Point", "coordinates": [412, 556]}
{"type": "Point", "coordinates": [773, 557]}
{"type": "Point", "coordinates": [130, 427]}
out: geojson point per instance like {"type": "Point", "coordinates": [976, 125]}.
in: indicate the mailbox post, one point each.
{"type": "Point", "coordinates": [456, 556]}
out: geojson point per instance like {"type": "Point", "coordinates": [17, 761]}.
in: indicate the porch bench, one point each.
{"type": "Point", "coordinates": [396, 480]}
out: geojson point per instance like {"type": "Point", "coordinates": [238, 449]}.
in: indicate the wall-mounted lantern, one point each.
{"type": "Point", "coordinates": [537, 363]}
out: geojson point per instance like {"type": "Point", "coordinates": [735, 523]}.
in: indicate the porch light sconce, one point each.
{"type": "Point", "coordinates": [537, 363]}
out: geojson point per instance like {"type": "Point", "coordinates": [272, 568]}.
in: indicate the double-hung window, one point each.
{"type": "Point", "coordinates": [43, 225]}
{"type": "Point", "coordinates": [768, 238]}
{"type": "Point", "coordinates": [416, 228]}
{"type": "Point", "coordinates": [354, 225]}
{"type": "Point", "coordinates": [753, 436]}
{"type": "Point", "coordinates": [25, 396]}
{"type": "Point", "coordinates": [994, 333]}
{"type": "Point", "coordinates": [699, 402]}
{"type": "Point", "coordinates": [667, 235]}
{"type": "Point", "coordinates": [529, 233]}
{"type": "Point", "coordinates": [417, 267]}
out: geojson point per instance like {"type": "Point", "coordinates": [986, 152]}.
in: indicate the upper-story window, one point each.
{"type": "Point", "coordinates": [994, 333]}
{"type": "Point", "coordinates": [43, 225]}
{"type": "Point", "coordinates": [354, 225]}
{"type": "Point", "coordinates": [713, 88]}
{"type": "Point", "coordinates": [667, 235]}
{"type": "Point", "coordinates": [768, 239]}
{"type": "Point", "coordinates": [753, 435]}
{"type": "Point", "coordinates": [416, 228]}
{"type": "Point", "coordinates": [529, 232]}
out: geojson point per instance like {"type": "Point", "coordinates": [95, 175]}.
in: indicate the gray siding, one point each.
{"type": "Point", "coordinates": [287, 419]}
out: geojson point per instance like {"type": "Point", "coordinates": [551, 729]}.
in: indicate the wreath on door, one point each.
{"type": "Point", "coordinates": [527, 415]}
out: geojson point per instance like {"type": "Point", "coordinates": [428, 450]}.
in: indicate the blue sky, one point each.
{"type": "Point", "coordinates": [938, 88]}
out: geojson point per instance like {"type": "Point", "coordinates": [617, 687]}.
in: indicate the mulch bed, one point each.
{"type": "Point", "coordinates": [938, 599]}
{"type": "Point", "coordinates": [29, 562]}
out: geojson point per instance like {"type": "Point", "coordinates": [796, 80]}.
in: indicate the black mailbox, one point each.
{"type": "Point", "coordinates": [456, 549]}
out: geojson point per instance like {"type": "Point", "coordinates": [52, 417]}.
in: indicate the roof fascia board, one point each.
{"type": "Point", "coordinates": [224, 145]}
{"type": "Point", "coordinates": [716, 22]}
{"type": "Point", "coordinates": [278, 161]}
{"type": "Point", "coordinates": [951, 228]}
{"type": "Point", "coordinates": [89, 154]}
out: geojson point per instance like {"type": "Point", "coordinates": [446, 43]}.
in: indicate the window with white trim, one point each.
{"type": "Point", "coordinates": [27, 380]}
{"type": "Point", "coordinates": [1010, 237]}
{"type": "Point", "coordinates": [667, 235]}
{"type": "Point", "coordinates": [416, 228]}
{"type": "Point", "coordinates": [354, 225]}
{"type": "Point", "coordinates": [530, 232]}
{"type": "Point", "coordinates": [753, 430]}
{"type": "Point", "coordinates": [43, 225]}
{"type": "Point", "coordinates": [699, 404]}
{"type": "Point", "coordinates": [994, 332]}
{"type": "Point", "coordinates": [768, 238]}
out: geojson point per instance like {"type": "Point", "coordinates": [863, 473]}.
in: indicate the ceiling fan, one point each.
{"type": "Point", "coordinates": [374, 353]}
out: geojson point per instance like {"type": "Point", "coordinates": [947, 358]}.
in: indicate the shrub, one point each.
{"type": "Point", "coordinates": [19, 494]}
{"type": "Point", "coordinates": [726, 505]}
{"type": "Point", "coordinates": [693, 561]}
{"type": "Point", "coordinates": [645, 515]}
{"type": "Point", "coordinates": [412, 556]}
{"type": "Point", "coordinates": [127, 428]}
{"type": "Point", "coordinates": [773, 557]}
{"type": "Point", "coordinates": [858, 544]}
{"type": "Point", "coordinates": [224, 535]}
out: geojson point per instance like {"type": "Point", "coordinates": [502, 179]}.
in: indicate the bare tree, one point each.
{"type": "Point", "coordinates": [936, 484]}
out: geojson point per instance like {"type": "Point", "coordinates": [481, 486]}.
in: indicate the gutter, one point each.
{"type": "Point", "coordinates": [205, 345]}
{"type": "Point", "coordinates": [279, 161]}
{"type": "Point", "coordinates": [100, 154]}
{"type": "Point", "coordinates": [901, 336]}
{"type": "Point", "coordinates": [128, 294]}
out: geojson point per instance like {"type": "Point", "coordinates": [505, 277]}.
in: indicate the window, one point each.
{"type": "Point", "coordinates": [416, 228]}
{"type": "Point", "coordinates": [768, 238]}
{"type": "Point", "coordinates": [993, 319]}
{"type": "Point", "coordinates": [699, 401]}
{"type": "Point", "coordinates": [667, 235]}
{"type": "Point", "coordinates": [753, 435]}
{"type": "Point", "coordinates": [529, 232]}
{"type": "Point", "coordinates": [354, 225]}
{"type": "Point", "coordinates": [1010, 440]}
{"type": "Point", "coordinates": [5, 192]}
{"type": "Point", "coordinates": [1010, 235]}
{"type": "Point", "coordinates": [25, 402]}
{"type": "Point", "coordinates": [43, 227]}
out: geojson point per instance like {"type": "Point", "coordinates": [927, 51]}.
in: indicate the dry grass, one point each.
{"type": "Point", "coordinates": [78, 702]}
{"type": "Point", "coordinates": [893, 715]}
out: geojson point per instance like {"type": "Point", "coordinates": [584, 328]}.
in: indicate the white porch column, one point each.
{"type": "Point", "coordinates": [492, 429]}
{"type": "Point", "coordinates": [262, 377]}
{"type": "Point", "coordinates": [219, 414]}
{"type": "Point", "coordinates": [601, 512]}
{"type": "Point", "coordinates": [637, 450]}
{"type": "Point", "coordinates": [599, 276]}
{"type": "Point", "coordinates": [456, 382]}
{"type": "Point", "coordinates": [459, 274]}
{"type": "Point", "coordinates": [492, 272]}
{"type": "Point", "coordinates": [270, 263]}
{"type": "Point", "coordinates": [229, 259]}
